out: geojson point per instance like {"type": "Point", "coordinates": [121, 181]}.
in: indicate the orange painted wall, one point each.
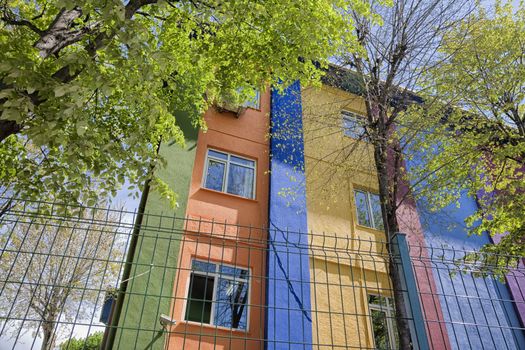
{"type": "Point", "coordinates": [215, 240]}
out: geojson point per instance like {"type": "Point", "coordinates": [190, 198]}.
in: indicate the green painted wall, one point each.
{"type": "Point", "coordinates": [158, 246]}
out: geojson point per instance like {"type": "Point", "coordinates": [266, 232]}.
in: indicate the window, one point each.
{"type": "Point", "coordinates": [253, 100]}
{"type": "Point", "coordinates": [383, 322]}
{"type": "Point", "coordinates": [368, 207]}
{"type": "Point", "coordinates": [353, 125]}
{"type": "Point", "coordinates": [231, 174]}
{"type": "Point", "coordinates": [232, 100]}
{"type": "Point", "coordinates": [218, 295]}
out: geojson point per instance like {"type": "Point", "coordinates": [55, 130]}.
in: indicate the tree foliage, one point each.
{"type": "Point", "coordinates": [91, 342]}
{"type": "Point", "coordinates": [55, 270]}
{"type": "Point", "coordinates": [393, 54]}
{"type": "Point", "coordinates": [89, 88]}
{"type": "Point", "coordinates": [473, 140]}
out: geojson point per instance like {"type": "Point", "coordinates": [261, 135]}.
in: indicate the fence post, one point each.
{"type": "Point", "coordinates": [404, 265]}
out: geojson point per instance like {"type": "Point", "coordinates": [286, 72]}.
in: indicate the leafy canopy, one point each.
{"type": "Point", "coordinates": [89, 88]}
{"type": "Point", "coordinates": [91, 342]}
{"type": "Point", "coordinates": [473, 140]}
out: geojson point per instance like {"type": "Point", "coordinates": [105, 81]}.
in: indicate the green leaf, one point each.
{"type": "Point", "coordinates": [81, 127]}
{"type": "Point", "coordinates": [61, 90]}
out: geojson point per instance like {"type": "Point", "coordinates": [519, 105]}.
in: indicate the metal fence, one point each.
{"type": "Point", "coordinates": [480, 306]}
{"type": "Point", "coordinates": [89, 278]}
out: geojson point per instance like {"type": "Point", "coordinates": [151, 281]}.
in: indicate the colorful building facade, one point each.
{"type": "Point", "coordinates": [282, 244]}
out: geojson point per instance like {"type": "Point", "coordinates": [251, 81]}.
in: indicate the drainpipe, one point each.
{"type": "Point", "coordinates": [107, 343]}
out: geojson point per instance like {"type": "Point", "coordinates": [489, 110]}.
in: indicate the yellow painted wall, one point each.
{"type": "Point", "coordinates": [347, 264]}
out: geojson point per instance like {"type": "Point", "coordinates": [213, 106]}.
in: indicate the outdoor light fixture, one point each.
{"type": "Point", "coordinates": [166, 321]}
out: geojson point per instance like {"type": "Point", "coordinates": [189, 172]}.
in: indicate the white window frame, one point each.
{"type": "Point", "coordinates": [216, 275]}
{"type": "Point", "coordinates": [358, 119]}
{"type": "Point", "coordinates": [388, 309]}
{"type": "Point", "coordinates": [227, 163]}
{"type": "Point", "coordinates": [369, 207]}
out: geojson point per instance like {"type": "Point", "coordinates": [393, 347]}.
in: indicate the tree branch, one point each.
{"type": "Point", "coordinates": [22, 22]}
{"type": "Point", "coordinates": [134, 5]}
{"type": "Point", "coordinates": [8, 127]}
{"type": "Point", "coordinates": [58, 34]}
{"type": "Point", "coordinates": [145, 14]}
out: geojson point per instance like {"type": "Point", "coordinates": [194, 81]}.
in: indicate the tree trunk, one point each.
{"type": "Point", "coordinates": [402, 317]}
{"type": "Point", "coordinates": [49, 335]}
{"type": "Point", "coordinates": [387, 184]}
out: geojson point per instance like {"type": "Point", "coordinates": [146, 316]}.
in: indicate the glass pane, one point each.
{"type": "Point", "coordinates": [215, 175]}
{"type": "Point", "coordinates": [252, 100]}
{"type": "Point", "coordinates": [231, 304]}
{"type": "Point", "coordinates": [393, 326]}
{"type": "Point", "coordinates": [202, 266]}
{"type": "Point", "coordinates": [200, 298]}
{"type": "Point", "coordinates": [353, 125]}
{"type": "Point", "coordinates": [349, 126]}
{"type": "Point", "coordinates": [216, 154]}
{"type": "Point", "coordinates": [233, 272]}
{"type": "Point", "coordinates": [242, 161]}
{"type": "Point", "coordinates": [380, 329]}
{"type": "Point", "coordinates": [375, 203]}
{"type": "Point", "coordinates": [363, 217]}
{"type": "Point", "coordinates": [240, 181]}
{"type": "Point", "coordinates": [377, 300]}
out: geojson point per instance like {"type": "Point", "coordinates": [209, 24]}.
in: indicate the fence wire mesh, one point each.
{"type": "Point", "coordinates": [481, 297]}
{"type": "Point", "coordinates": [70, 279]}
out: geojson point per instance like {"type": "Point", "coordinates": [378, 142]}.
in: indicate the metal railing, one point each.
{"type": "Point", "coordinates": [201, 284]}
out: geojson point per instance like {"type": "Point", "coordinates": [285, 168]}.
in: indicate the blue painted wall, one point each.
{"type": "Point", "coordinates": [478, 311]}
{"type": "Point", "coordinates": [288, 314]}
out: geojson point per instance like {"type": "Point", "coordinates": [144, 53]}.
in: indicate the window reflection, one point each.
{"type": "Point", "coordinates": [215, 175]}
{"type": "Point", "coordinates": [368, 210]}
{"type": "Point", "coordinates": [228, 173]}
{"type": "Point", "coordinates": [218, 295]}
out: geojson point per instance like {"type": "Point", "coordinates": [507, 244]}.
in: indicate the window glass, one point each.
{"type": "Point", "coordinates": [353, 125]}
{"type": "Point", "coordinates": [368, 207]}
{"type": "Point", "coordinates": [235, 272]}
{"type": "Point", "coordinates": [230, 306]}
{"type": "Point", "coordinates": [226, 305]}
{"type": "Point", "coordinates": [394, 331]}
{"type": "Point", "coordinates": [375, 204]}
{"type": "Point", "coordinates": [361, 203]}
{"type": "Point", "coordinates": [253, 99]}
{"type": "Point", "coordinates": [380, 329]}
{"type": "Point", "coordinates": [377, 300]}
{"type": "Point", "coordinates": [383, 322]}
{"type": "Point", "coordinates": [240, 181]}
{"type": "Point", "coordinates": [202, 266]}
{"type": "Point", "coordinates": [242, 161]}
{"type": "Point", "coordinates": [216, 154]}
{"type": "Point", "coordinates": [200, 298]}
{"type": "Point", "coordinates": [233, 175]}
{"type": "Point", "coordinates": [215, 175]}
